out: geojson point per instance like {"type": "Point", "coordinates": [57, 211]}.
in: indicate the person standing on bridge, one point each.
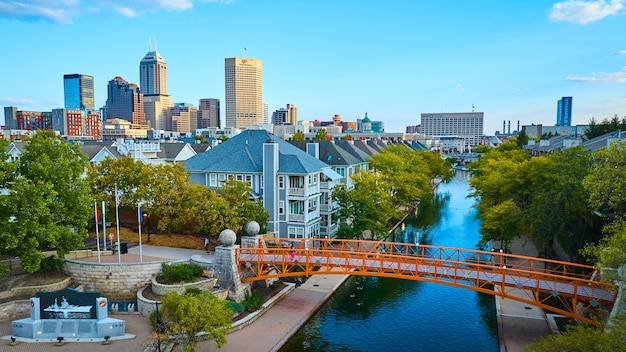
{"type": "Point", "coordinates": [292, 254]}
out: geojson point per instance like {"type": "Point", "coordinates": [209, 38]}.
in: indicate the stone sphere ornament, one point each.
{"type": "Point", "coordinates": [227, 238]}
{"type": "Point", "coordinates": [251, 228]}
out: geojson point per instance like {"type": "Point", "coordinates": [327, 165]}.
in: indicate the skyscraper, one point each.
{"type": "Point", "coordinates": [286, 116]}
{"type": "Point", "coordinates": [564, 112]}
{"type": "Point", "coordinates": [78, 91]}
{"type": "Point", "coordinates": [244, 92]}
{"type": "Point", "coordinates": [153, 74]}
{"type": "Point", "coordinates": [124, 101]}
{"type": "Point", "coordinates": [209, 113]}
{"type": "Point", "coordinates": [153, 84]}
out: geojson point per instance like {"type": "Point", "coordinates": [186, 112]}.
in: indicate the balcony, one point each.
{"type": "Point", "coordinates": [296, 192]}
{"type": "Point", "coordinates": [295, 217]}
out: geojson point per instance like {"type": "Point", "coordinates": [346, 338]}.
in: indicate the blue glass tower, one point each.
{"type": "Point", "coordinates": [564, 112]}
{"type": "Point", "coordinates": [78, 92]}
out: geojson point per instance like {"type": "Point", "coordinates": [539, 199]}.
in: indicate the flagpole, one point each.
{"type": "Point", "coordinates": [139, 218]}
{"type": "Point", "coordinates": [104, 227]}
{"type": "Point", "coordinates": [117, 222]}
{"type": "Point", "coordinates": [95, 205]}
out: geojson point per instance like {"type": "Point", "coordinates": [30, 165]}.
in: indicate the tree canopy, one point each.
{"type": "Point", "coordinates": [298, 136]}
{"type": "Point", "coordinates": [49, 202]}
{"type": "Point", "coordinates": [321, 135]}
{"type": "Point", "coordinates": [187, 315]}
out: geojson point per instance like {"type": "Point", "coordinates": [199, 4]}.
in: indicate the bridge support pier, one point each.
{"type": "Point", "coordinates": [228, 273]}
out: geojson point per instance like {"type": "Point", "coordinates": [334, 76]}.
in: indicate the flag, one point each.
{"type": "Point", "coordinates": [97, 213]}
{"type": "Point", "coordinates": [117, 198]}
{"type": "Point", "coordinates": [140, 213]}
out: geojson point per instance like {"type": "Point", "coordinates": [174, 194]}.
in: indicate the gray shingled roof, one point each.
{"type": "Point", "coordinates": [91, 148]}
{"type": "Point", "coordinates": [170, 151]}
{"type": "Point", "coordinates": [244, 153]}
{"type": "Point", "coordinates": [330, 153]}
{"type": "Point", "coordinates": [200, 147]}
{"type": "Point", "coordinates": [352, 149]}
{"type": "Point", "coordinates": [365, 148]}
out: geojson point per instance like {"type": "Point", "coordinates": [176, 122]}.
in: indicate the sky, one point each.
{"type": "Point", "coordinates": [391, 59]}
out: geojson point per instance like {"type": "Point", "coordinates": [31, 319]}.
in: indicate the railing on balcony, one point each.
{"type": "Point", "coordinates": [296, 191]}
{"type": "Point", "coordinates": [296, 217]}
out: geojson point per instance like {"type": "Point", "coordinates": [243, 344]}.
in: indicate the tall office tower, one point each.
{"type": "Point", "coordinates": [153, 74]}
{"type": "Point", "coordinates": [124, 101]}
{"type": "Point", "coordinates": [153, 83]}
{"type": "Point", "coordinates": [266, 112]}
{"type": "Point", "coordinates": [467, 125]}
{"type": "Point", "coordinates": [244, 92]}
{"type": "Point", "coordinates": [10, 117]}
{"type": "Point", "coordinates": [209, 113]}
{"type": "Point", "coordinates": [78, 91]}
{"type": "Point", "coordinates": [564, 112]}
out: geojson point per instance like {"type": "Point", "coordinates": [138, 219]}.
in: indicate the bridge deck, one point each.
{"type": "Point", "coordinates": [576, 288]}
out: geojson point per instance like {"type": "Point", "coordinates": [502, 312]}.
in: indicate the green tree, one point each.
{"type": "Point", "coordinates": [583, 338]}
{"type": "Point", "coordinates": [187, 315]}
{"type": "Point", "coordinates": [321, 135]}
{"type": "Point", "coordinates": [49, 202]}
{"type": "Point", "coordinates": [368, 206]}
{"type": "Point", "coordinates": [481, 148]}
{"type": "Point", "coordinates": [298, 136]}
{"type": "Point", "coordinates": [409, 173]}
{"type": "Point", "coordinates": [237, 194]}
{"type": "Point", "coordinates": [348, 137]}
{"type": "Point", "coordinates": [606, 183]}
{"type": "Point", "coordinates": [522, 138]}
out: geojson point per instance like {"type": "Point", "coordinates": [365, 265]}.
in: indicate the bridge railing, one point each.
{"type": "Point", "coordinates": [449, 254]}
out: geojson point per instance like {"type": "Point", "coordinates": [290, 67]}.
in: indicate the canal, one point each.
{"type": "Point", "coordinates": [382, 314]}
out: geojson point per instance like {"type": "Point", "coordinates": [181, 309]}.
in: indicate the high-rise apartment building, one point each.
{"type": "Point", "coordinates": [564, 112]}
{"type": "Point", "coordinates": [153, 74]}
{"type": "Point", "coordinates": [467, 125]}
{"type": "Point", "coordinates": [286, 116]}
{"type": "Point", "coordinates": [10, 117]}
{"type": "Point", "coordinates": [244, 92]}
{"type": "Point", "coordinates": [124, 101]}
{"type": "Point", "coordinates": [153, 84]}
{"type": "Point", "coordinates": [266, 112]}
{"type": "Point", "coordinates": [78, 91]}
{"type": "Point", "coordinates": [209, 113]}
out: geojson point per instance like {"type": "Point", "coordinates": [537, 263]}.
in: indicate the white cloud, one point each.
{"type": "Point", "coordinates": [64, 11]}
{"type": "Point", "coordinates": [7, 100]}
{"type": "Point", "coordinates": [620, 52]}
{"type": "Point", "coordinates": [603, 77]}
{"type": "Point", "coordinates": [584, 12]}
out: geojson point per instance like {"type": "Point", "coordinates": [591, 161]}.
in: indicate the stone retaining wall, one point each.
{"type": "Point", "coordinates": [117, 282]}
{"type": "Point", "coordinates": [163, 289]}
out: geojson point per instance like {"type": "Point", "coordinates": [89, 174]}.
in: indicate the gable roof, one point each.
{"type": "Point", "coordinates": [352, 149]}
{"type": "Point", "coordinates": [244, 153]}
{"type": "Point", "coordinates": [330, 153]}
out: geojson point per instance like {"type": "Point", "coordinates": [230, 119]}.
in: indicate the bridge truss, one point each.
{"type": "Point", "coordinates": [574, 290]}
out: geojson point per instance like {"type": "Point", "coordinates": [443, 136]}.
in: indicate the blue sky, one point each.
{"type": "Point", "coordinates": [394, 60]}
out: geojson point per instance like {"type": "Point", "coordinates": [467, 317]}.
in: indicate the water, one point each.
{"type": "Point", "coordinates": [381, 314]}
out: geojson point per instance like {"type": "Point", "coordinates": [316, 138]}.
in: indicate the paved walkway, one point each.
{"type": "Point", "coordinates": [519, 323]}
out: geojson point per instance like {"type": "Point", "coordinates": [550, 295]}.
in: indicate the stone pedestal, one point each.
{"type": "Point", "coordinates": [227, 272]}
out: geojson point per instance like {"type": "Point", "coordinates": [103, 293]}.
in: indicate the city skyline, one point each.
{"type": "Point", "coordinates": [394, 60]}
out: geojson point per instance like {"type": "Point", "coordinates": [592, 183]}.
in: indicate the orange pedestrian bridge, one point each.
{"type": "Point", "coordinates": [570, 289]}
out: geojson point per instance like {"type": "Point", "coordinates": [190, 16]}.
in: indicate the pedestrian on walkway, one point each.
{"type": "Point", "coordinates": [206, 244]}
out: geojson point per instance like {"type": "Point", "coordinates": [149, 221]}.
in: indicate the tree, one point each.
{"type": "Point", "coordinates": [321, 135]}
{"type": "Point", "coordinates": [522, 138]}
{"type": "Point", "coordinates": [409, 173]}
{"type": "Point", "coordinates": [298, 136]}
{"type": "Point", "coordinates": [348, 137]}
{"type": "Point", "coordinates": [583, 338]}
{"type": "Point", "coordinates": [187, 315]}
{"type": "Point", "coordinates": [49, 202]}
{"type": "Point", "coordinates": [606, 183]}
{"type": "Point", "coordinates": [368, 206]}
{"type": "Point", "coordinates": [237, 195]}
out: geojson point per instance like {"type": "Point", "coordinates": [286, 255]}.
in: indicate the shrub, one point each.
{"type": "Point", "coordinates": [252, 302]}
{"type": "Point", "coordinates": [276, 284]}
{"type": "Point", "coordinates": [236, 307]}
{"type": "Point", "coordinates": [50, 265]}
{"type": "Point", "coordinates": [180, 272]}
{"type": "Point", "coordinates": [193, 291]}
